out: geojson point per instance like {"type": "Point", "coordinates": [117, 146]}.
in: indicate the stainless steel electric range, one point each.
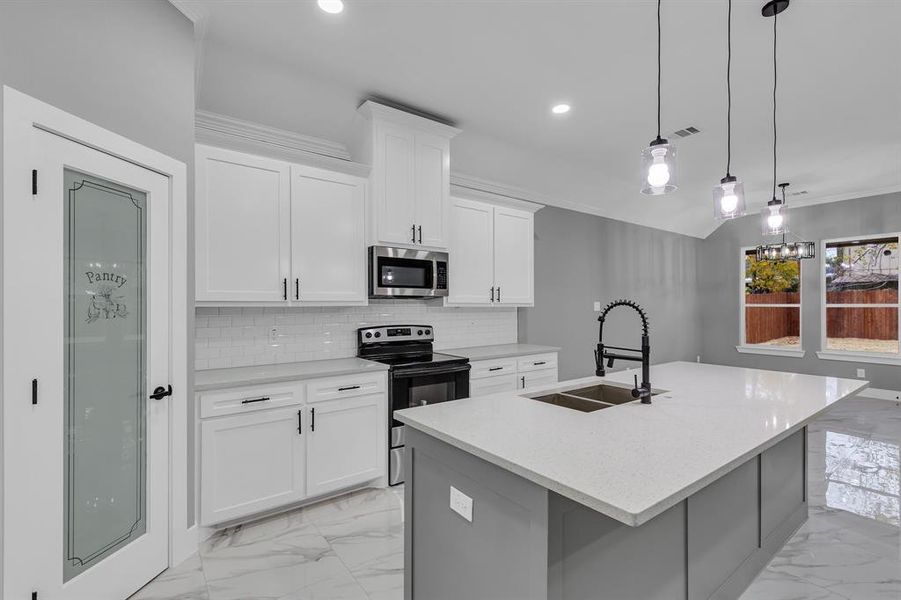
{"type": "Point", "coordinates": [417, 376]}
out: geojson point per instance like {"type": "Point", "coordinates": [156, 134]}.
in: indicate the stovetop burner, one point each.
{"type": "Point", "coordinates": [419, 359]}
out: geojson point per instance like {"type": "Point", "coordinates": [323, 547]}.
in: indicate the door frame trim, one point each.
{"type": "Point", "coordinates": [21, 113]}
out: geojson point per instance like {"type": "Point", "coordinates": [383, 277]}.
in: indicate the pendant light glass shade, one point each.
{"type": "Point", "coordinates": [774, 218]}
{"type": "Point", "coordinates": [729, 198]}
{"type": "Point", "coordinates": [658, 160]}
{"type": "Point", "coordinates": [658, 167]}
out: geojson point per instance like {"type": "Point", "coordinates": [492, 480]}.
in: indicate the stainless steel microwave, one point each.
{"type": "Point", "coordinates": [406, 273]}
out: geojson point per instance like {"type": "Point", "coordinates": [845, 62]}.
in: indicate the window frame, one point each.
{"type": "Point", "coordinates": [745, 348]}
{"type": "Point", "coordinates": [887, 358]}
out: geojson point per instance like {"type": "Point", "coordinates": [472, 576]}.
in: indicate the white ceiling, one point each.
{"type": "Point", "coordinates": [496, 66]}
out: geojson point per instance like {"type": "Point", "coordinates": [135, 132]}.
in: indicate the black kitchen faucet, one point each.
{"type": "Point", "coordinates": [643, 391]}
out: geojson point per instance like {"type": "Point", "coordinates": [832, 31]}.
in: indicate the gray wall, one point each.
{"type": "Point", "coordinates": [720, 277]}
{"type": "Point", "coordinates": [126, 66]}
{"type": "Point", "coordinates": [581, 258]}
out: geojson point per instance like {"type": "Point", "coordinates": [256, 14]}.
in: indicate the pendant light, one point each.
{"type": "Point", "coordinates": [658, 160]}
{"type": "Point", "coordinates": [774, 220]}
{"type": "Point", "coordinates": [729, 195]}
{"type": "Point", "coordinates": [785, 250]}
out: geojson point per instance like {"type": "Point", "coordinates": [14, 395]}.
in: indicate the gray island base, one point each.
{"type": "Point", "coordinates": [528, 542]}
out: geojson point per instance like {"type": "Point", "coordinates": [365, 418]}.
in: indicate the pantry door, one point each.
{"type": "Point", "coordinates": [90, 305]}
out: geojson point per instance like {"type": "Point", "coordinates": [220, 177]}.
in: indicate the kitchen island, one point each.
{"type": "Point", "coordinates": [510, 497]}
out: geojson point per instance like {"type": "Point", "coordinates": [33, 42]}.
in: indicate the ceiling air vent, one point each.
{"type": "Point", "coordinates": [801, 193]}
{"type": "Point", "coordinates": [684, 133]}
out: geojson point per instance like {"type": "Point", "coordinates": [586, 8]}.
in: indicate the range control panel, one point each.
{"type": "Point", "coordinates": [396, 333]}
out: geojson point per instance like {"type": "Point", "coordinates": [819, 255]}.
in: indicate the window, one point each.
{"type": "Point", "coordinates": [771, 305]}
{"type": "Point", "coordinates": [860, 304]}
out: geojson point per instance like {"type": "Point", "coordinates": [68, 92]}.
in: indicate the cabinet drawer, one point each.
{"type": "Point", "coordinates": [492, 368]}
{"type": "Point", "coordinates": [249, 399]}
{"type": "Point", "coordinates": [532, 379]}
{"type": "Point", "coordinates": [347, 386]}
{"type": "Point", "coordinates": [492, 385]}
{"type": "Point", "coordinates": [537, 362]}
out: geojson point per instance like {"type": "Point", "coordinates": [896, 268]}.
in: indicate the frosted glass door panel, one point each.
{"type": "Point", "coordinates": [105, 381]}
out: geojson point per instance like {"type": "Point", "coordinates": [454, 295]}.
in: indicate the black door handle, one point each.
{"type": "Point", "coordinates": [300, 422]}
{"type": "Point", "coordinates": [297, 289]}
{"type": "Point", "coordinates": [420, 234]}
{"type": "Point", "coordinates": [285, 288]}
{"type": "Point", "coordinates": [523, 381]}
{"type": "Point", "coordinates": [313, 419]}
{"type": "Point", "coordinates": [161, 392]}
{"type": "Point", "coordinates": [414, 232]}
{"type": "Point", "coordinates": [498, 293]}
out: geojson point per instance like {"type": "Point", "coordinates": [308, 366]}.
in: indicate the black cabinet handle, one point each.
{"type": "Point", "coordinates": [523, 381]}
{"type": "Point", "coordinates": [414, 232]}
{"type": "Point", "coordinates": [495, 368]}
{"type": "Point", "coordinates": [350, 387]}
{"type": "Point", "coordinates": [498, 293]}
{"type": "Point", "coordinates": [540, 362]}
{"type": "Point", "coordinates": [300, 422]}
{"type": "Point", "coordinates": [420, 234]}
{"type": "Point", "coordinates": [160, 392]}
{"type": "Point", "coordinates": [492, 293]}
{"type": "Point", "coordinates": [285, 288]}
{"type": "Point", "coordinates": [252, 400]}
{"type": "Point", "coordinates": [313, 419]}
{"type": "Point", "coordinates": [297, 289]}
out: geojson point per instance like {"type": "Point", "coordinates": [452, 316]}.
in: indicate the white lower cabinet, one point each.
{"type": "Point", "coordinates": [512, 374]}
{"type": "Point", "coordinates": [251, 463]}
{"type": "Point", "coordinates": [533, 379]}
{"type": "Point", "coordinates": [492, 385]}
{"type": "Point", "coordinates": [346, 443]}
{"type": "Point", "coordinates": [264, 447]}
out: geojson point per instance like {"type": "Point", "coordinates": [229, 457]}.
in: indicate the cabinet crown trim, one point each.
{"type": "Point", "coordinates": [375, 111]}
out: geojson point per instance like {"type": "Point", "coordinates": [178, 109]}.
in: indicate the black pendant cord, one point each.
{"type": "Point", "coordinates": [659, 58]}
{"type": "Point", "coordinates": [775, 80]}
{"type": "Point", "coordinates": [729, 94]}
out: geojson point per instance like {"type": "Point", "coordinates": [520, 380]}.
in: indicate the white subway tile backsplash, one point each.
{"type": "Point", "coordinates": [237, 337]}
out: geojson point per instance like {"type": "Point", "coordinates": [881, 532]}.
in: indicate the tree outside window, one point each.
{"type": "Point", "coordinates": [772, 303]}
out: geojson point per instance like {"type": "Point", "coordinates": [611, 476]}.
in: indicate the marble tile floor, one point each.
{"type": "Point", "coordinates": [351, 548]}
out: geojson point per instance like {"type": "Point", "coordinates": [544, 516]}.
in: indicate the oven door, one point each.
{"type": "Point", "coordinates": [419, 387]}
{"type": "Point", "coordinates": [406, 272]}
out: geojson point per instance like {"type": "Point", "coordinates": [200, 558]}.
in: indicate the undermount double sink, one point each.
{"type": "Point", "coordinates": [590, 398]}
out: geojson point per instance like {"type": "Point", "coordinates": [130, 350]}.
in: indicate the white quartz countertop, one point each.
{"type": "Point", "coordinates": [634, 461]}
{"type": "Point", "coordinates": [214, 379]}
{"type": "Point", "coordinates": [500, 351]}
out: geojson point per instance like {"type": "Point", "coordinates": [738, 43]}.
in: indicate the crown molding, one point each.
{"type": "Point", "coordinates": [375, 111]}
{"type": "Point", "coordinates": [475, 188]}
{"type": "Point", "coordinates": [237, 134]}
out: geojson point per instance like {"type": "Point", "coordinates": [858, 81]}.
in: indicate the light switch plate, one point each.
{"type": "Point", "coordinates": [861, 373]}
{"type": "Point", "coordinates": [460, 503]}
{"type": "Point", "coordinates": [597, 306]}
{"type": "Point", "coordinates": [273, 336]}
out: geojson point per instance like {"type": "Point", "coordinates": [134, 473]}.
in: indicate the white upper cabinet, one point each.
{"type": "Point", "coordinates": [514, 257]}
{"type": "Point", "coordinates": [492, 258]}
{"type": "Point", "coordinates": [471, 264]}
{"type": "Point", "coordinates": [432, 198]}
{"type": "Point", "coordinates": [393, 185]}
{"type": "Point", "coordinates": [410, 158]}
{"type": "Point", "coordinates": [273, 233]}
{"type": "Point", "coordinates": [242, 206]}
{"type": "Point", "coordinates": [328, 258]}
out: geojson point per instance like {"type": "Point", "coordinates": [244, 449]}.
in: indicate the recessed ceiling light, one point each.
{"type": "Point", "coordinates": [560, 109]}
{"type": "Point", "coordinates": [333, 7]}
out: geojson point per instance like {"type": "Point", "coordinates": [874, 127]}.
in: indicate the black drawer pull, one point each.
{"type": "Point", "coordinates": [313, 419]}
{"type": "Point", "coordinates": [540, 362]}
{"type": "Point", "coordinates": [350, 387]}
{"type": "Point", "coordinates": [496, 368]}
{"type": "Point", "coordinates": [252, 400]}
{"type": "Point", "coordinates": [300, 422]}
